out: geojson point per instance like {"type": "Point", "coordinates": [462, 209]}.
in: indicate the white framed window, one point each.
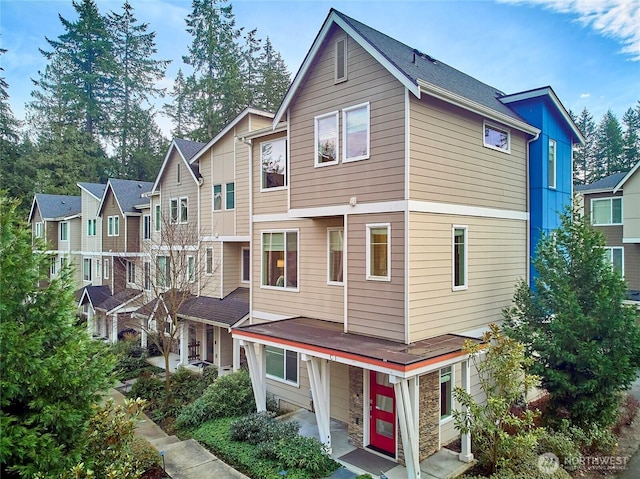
{"type": "Point", "coordinates": [217, 197]}
{"type": "Point", "coordinates": [184, 209]}
{"type": "Point", "coordinates": [163, 271]}
{"type": "Point", "coordinates": [131, 272]}
{"type": "Point", "coordinates": [230, 196]}
{"type": "Point", "coordinates": [113, 225]}
{"type": "Point", "coordinates": [496, 137]}
{"type": "Point", "coordinates": [105, 269]}
{"type": "Point", "coordinates": [146, 227]}
{"type": "Point", "coordinates": [355, 133]}
{"type": "Point", "coordinates": [191, 269]}
{"type": "Point", "coordinates": [38, 229]}
{"type": "Point", "coordinates": [52, 267]}
{"type": "Point", "coordinates": [86, 269]}
{"type": "Point", "coordinates": [147, 275]}
{"type": "Point", "coordinates": [64, 231]}
{"type": "Point", "coordinates": [379, 252]}
{"type": "Point", "coordinates": [606, 211]}
{"type": "Point", "coordinates": [282, 364]}
{"type": "Point", "coordinates": [173, 210]}
{"type": "Point", "coordinates": [98, 272]}
{"type": "Point", "coordinates": [157, 217]}
{"type": "Point", "coordinates": [280, 259]}
{"type": "Point", "coordinates": [246, 265]}
{"type": "Point", "coordinates": [340, 74]}
{"type": "Point", "coordinates": [552, 173]}
{"type": "Point", "coordinates": [335, 256]}
{"type": "Point", "coordinates": [460, 260]}
{"type": "Point", "coordinates": [91, 227]}
{"type": "Point", "coordinates": [615, 256]}
{"type": "Point", "coordinates": [178, 173]}
{"type": "Point", "coordinates": [446, 390]}
{"type": "Point", "coordinates": [208, 260]}
{"type": "Point", "coordinates": [273, 158]}
{"type": "Point", "coordinates": [326, 139]}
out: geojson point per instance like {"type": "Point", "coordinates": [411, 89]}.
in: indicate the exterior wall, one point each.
{"type": "Point", "coordinates": [631, 208]}
{"type": "Point", "coordinates": [449, 164]}
{"type": "Point", "coordinates": [114, 244]}
{"type": "Point", "coordinates": [269, 201]}
{"type": "Point", "coordinates": [375, 308]}
{"type": "Point", "coordinates": [210, 284]}
{"type": "Point", "coordinates": [378, 178]}
{"type": "Point", "coordinates": [356, 422]}
{"type": "Point", "coordinates": [339, 385]}
{"type": "Point", "coordinates": [497, 258]}
{"type": "Point", "coordinates": [52, 233]}
{"type": "Point", "coordinates": [429, 414]}
{"type": "Point", "coordinates": [90, 211]}
{"type": "Point", "coordinates": [232, 266]}
{"type": "Point", "coordinates": [133, 225]}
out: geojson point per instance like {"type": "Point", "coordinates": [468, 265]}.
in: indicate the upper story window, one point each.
{"type": "Point", "coordinates": [497, 138]}
{"type": "Point", "coordinates": [163, 271]}
{"type": "Point", "coordinates": [91, 227]}
{"type": "Point", "coordinates": [191, 269]}
{"type": "Point", "coordinates": [105, 269]}
{"type": "Point", "coordinates": [355, 132]}
{"type": "Point", "coordinates": [147, 275]}
{"type": "Point", "coordinates": [615, 256]}
{"type": "Point", "coordinates": [173, 210]}
{"type": "Point", "coordinates": [551, 174]}
{"type": "Point", "coordinates": [86, 269]}
{"type": "Point", "coordinates": [459, 258]}
{"type": "Point", "coordinates": [184, 209]}
{"type": "Point", "coordinates": [335, 259]}
{"type": "Point", "coordinates": [280, 259]}
{"type": "Point", "coordinates": [52, 267]}
{"type": "Point", "coordinates": [156, 217]}
{"type": "Point", "coordinates": [146, 227]}
{"type": "Point", "coordinates": [208, 261]}
{"type": "Point", "coordinates": [282, 364]}
{"type": "Point", "coordinates": [38, 229]}
{"type": "Point", "coordinates": [230, 196]}
{"type": "Point", "coordinates": [179, 173]}
{"type": "Point", "coordinates": [326, 139]}
{"type": "Point", "coordinates": [131, 272]}
{"type": "Point", "coordinates": [341, 60]}
{"type": "Point", "coordinates": [246, 265]}
{"type": "Point", "coordinates": [273, 158]}
{"type": "Point", "coordinates": [113, 225]}
{"type": "Point", "coordinates": [606, 211]}
{"type": "Point", "coordinates": [64, 231]}
{"type": "Point", "coordinates": [217, 197]}
{"type": "Point", "coordinates": [379, 252]}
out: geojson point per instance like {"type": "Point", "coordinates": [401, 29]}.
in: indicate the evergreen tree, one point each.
{"type": "Point", "coordinates": [52, 372]}
{"type": "Point", "coordinates": [178, 110]}
{"type": "Point", "coordinates": [631, 147]}
{"type": "Point", "coordinates": [274, 77]}
{"type": "Point", "coordinates": [609, 147]}
{"type": "Point", "coordinates": [585, 343]}
{"type": "Point", "coordinates": [251, 67]}
{"type": "Point", "coordinates": [584, 155]}
{"type": "Point", "coordinates": [147, 146]}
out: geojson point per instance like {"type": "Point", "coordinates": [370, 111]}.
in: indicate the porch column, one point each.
{"type": "Point", "coordinates": [236, 354]}
{"type": "Point", "coordinates": [407, 406]}
{"type": "Point", "coordinates": [319, 377]}
{"type": "Point", "coordinates": [465, 439]}
{"type": "Point", "coordinates": [143, 338]}
{"type": "Point", "coordinates": [91, 325]}
{"type": "Point", "coordinates": [183, 343]}
{"type": "Point", "coordinates": [114, 328]}
{"type": "Point", "coordinates": [257, 370]}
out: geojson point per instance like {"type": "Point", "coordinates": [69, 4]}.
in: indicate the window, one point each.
{"type": "Point", "coordinates": [445, 392]}
{"type": "Point", "coordinates": [52, 267]}
{"type": "Point", "coordinates": [163, 271]}
{"type": "Point", "coordinates": [147, 275]}
{"type": "Point", "coordinates": [98, 268]}
{"type": "Point", "coordinates": [282, 364]}
{"type": "Point", "coordinates": [551, 174]}
{"type": "Point", "coordinates": [131, 272]}
{"type": "Point", "coordinates": [179, 173]}
{"type": "Point", "coordinates": [184, 209]}
{"type": "Point", "coordinates": [341, 60]}
{"type": "Point", "coordinates": [326, 139]}
{"type": "Point", "coordinates": [497, 138]}
{"type": "Point", "coordinates": [208, 261]}
{"type": "Point", "coordinates": [146, 227]}
{"type": "Point", "coordinates": [38, 232]}
{"type": "Point", "coordinates": [615, 256]}
{"type": "Point", "coordinates": [63, 262]}
{"type": "Point", "coordinates": [91, 227]}
{"type": "Point", "coordinates": [157, 217]}
{"type": "Point", "coordinates": [217, 197]}
{"type": "Point", "coordinates": [280, 259]}
{"type": "Point", "coordinates": [86, 269]}
{"type": "Point", "coordinates": [459, 258]}
{"type": "Point", "coordinates": [273, 158]}
{"type": "Point", "coordinates": [105, 269]}
{"type": "Point", "coordinates": [173, 210]}
{"type": "Point", "coordinates": [113, 225]}
{"type": "Point", "coordinates": [378, 252]}
{"type": "Point", "coordinates": [355, 126]}
{"type": "Point", "coordinates": [191, 269]}
{"type": "Point", "coordinates": [230, 191]}
{"type": "Point", "coordinates": [335, 260]}
{"type": "Point", "coordinates": [606, 211]}
{"type": "Point", "coordinates": [246, 265]}
{"type": "Point", "coordinates": [64, 231]}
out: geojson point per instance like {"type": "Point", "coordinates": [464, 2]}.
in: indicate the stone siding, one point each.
{"type": "Point", "coordinates": [356, 406]}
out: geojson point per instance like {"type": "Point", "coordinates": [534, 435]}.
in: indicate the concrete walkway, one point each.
{"type": "Point", "coordinates": [182, 459]}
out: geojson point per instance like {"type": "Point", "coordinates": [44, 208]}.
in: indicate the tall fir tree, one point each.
{"type": "Point", "coordinates": [275, 78]}
{"type": "Point", "coordinates": [609, 147]}
{"type": "Point", "coordinates": [178, 109]}
{"type": "Point", "coordinates": [251, 67]}
{"type": "Point", "coordinates": [584, 155]}
{"type": "Point", "coordinates": [631, 138]}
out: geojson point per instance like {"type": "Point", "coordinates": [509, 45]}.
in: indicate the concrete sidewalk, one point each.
{"type": "Point", "coordinates": [182, 459]}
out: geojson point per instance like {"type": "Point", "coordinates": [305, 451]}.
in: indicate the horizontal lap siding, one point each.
{"type": "Point", "coordinates": [379, 178]}
{"type": "Point", "coordinates": [375, 308]}
{"type": "Point", "coordinates": [113, 244]}
{"type": "Point", "coordinates": [210, 283]}
{"type": "Point", "coordinates": [223, 173]}
{"type": "Point", "coordinates": [134, 233]}
{"type": "Point", "coordinates": [242, 189]}
{"type": "Point", "coordinates": [268, 201]}
{"type": "Point", "coordinates": [450, 164]}
{"type": "Point", "coordinates": [231, 265]}
{"type": "Point", "coordinates": [206, 208]}
{"type": "Point", "coordinates": [339, 391]}
{"type": "Point", "coordinates": [497, 258]}
{"type": "Point", "coordinates": [315, 297]}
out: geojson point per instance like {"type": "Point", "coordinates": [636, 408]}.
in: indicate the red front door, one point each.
{"type": "Point", "coordinates": [382, 422]}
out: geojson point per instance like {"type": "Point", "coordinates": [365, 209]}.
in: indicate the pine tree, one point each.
{"type": "Point", "coordinates": [274, 76]}
{"type": "Point", "coordinates": [178, 110]}
{"type": "Point", "coordinates": [251, 73]}
{"type": "Point", "coordinates": [631, 139]}
{"type": "Point", "coordinates": [609, 147]}
{"type": "Point", "coordinates": [584, 155]}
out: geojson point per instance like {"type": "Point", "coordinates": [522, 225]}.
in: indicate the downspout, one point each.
{"type": "Point", "coordinates": [529, 255]}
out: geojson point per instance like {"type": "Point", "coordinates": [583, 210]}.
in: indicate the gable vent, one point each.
{"type": "Point", "coordinates": [341, 60]}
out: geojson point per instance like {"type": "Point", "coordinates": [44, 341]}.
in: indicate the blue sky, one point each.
{"type": "Point", "coordinates": [587, 50]}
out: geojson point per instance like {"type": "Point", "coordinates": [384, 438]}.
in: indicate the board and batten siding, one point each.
{"type": "Point", "coordinates": [314, 298]}
{"type": "Point", "coordinates": [449, 164]}
{"type": "Point", "coordinates": [114, 244]}
{"type": "Point", "coordinates": [378, 178]}
{"type": "Point", "coordinates": [269, 201]}
{"type": "Point", "coordinates": [497, 258]}
{"type": "Point", "coordinates": [375, 308]}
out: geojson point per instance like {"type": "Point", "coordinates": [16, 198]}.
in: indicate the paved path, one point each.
{"type": "Point", "coordinates": [182, 459]}
{"type": "Point", "coordinates": [633, 467]}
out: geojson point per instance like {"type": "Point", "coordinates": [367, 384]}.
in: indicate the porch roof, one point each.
{"type": "Point", "coordinates": [329, 339]}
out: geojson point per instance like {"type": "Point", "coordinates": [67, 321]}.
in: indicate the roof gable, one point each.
{"type": "Point", "coordinates": [626, 177]}
{"type": "Point", "coordinates": [186, 150]}
{"type": "Point", "coordinates": [56, 207]}
{"type": "Point", "coordinates": [94, 189]}
{"type": "Point", "coordinates": [608, 183]}
{"type": "Point", "coordinates": [129, 194]}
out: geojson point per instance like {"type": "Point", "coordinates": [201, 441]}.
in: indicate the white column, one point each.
{"type": "Point", "coordinates": [184, 329]}
{"type": "Point", "coordinates": [257, 370]}
{"type": "Point", "coordinates": [143, 338]}
{"type": "Point", "coordinates": [236, 354]}
{"type": "Point", "coordinates": [465, 439]}
{"type": "Point", "coordinates": [407, 407]}
{"type": "Point", "coordinates": [319, 378]}
{"type": "Point", "coordinates": [114, 328]}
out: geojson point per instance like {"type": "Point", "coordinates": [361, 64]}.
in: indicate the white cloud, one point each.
{"type": "Point", "coordinates": [585, 95]}
{"type": "Point", "coordinates": [618, 19]}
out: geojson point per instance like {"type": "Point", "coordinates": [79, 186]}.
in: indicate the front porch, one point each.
{"type": "Point", "coordinates": [195, 365]}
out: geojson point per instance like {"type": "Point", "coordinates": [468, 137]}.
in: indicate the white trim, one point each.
{"type": "Point", "coordinates": [263, 189]}
{"type": "Point", "coordinates": [345, 297]}
{"type": "Point", "coordinates": [610, 199]}
{"type": "Point", "coordinates": [555, 163]}
{"type": "Point", "coordinates": [626, 177]}
{"type": "Point", "coordinates": [274, 218]}
{"type": "Point", "coordinates": [225, 239]}
{"type": "Point", "coordinates": [347, 209]}
{"type": "Point", "coordinates": [631, 240]}
{"type": "Point", "coordinates": [180, 220]}
{"type": "Point", "coordinates": [369, 275]}
{"type": "Point", "coordinates": [66, 231]}
{"type": "Point", "coordinates": [284, 379]}
{"type": "Point", "coordinates": [465, 237]}
{"type": "Point", "coordinates": [226, 193]}
{"type": "Point", "coordinates": [345, 112]}
{"type": "Point", "coordinates": [330, 230]}
{"type": "Point", "coordinates": [164, 165]}
{"type": "Point", "coordinates": [500, 129]}
{"type": "Point", "coordinates": [290, 289]}
{"type": "Point", "coordinates": [466, 210]}
{"type": "Point", "coordinates": [336, 115]}
{"type": "Point", "coordinates": [269, 316]}
{"type": "Point", "coordinates": [213, 197]}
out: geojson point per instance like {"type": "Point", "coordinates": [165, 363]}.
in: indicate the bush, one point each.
{"type": "Point", "coordinates": [186, 386]}
{"type": "Point", "coordinates": [262, 426]}
{"type": "Point", "coordinates": [596, 439]}
{"type": "Point", "coordinates": [563, 446]}
{"type": "Point", "coordinates": [150, 388]}
{"type": "Point", "coordinates": [145, 456]}
{"type": "Point", "coordinates": [301, 452]}
{"type": "Point", "coordinates": [628, 410]}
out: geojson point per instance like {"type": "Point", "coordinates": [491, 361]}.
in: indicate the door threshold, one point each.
{"type": "Point", "coordinates": [381, 451]}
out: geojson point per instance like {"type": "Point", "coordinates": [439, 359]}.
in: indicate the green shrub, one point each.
{"type": "Point", "coordinates": [186, 386]}
{"type": "Point", "coordinates": [306, 453]}
{"type": "Point", "coordinates": [150, 388]}
{"type": "Point", "coordinates": [262, 426]}
{"type": "Point", "coordinates": [364, 476]}
{"type": "Point", "coordinates": [145, 456]}
{"type": "Point", "coordinates": [563, 446]}
{"type": "Point", "coordinates": [596, 439]}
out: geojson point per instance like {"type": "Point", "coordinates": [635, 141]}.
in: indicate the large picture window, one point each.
{"type": "Point", "coordinates": [459, 257]}
{"type": "Point", "coordinates": [606, 211]}
{"type": "Point", "coordinates": [497, 138]}
{"type": "Point", "coordinates": [326, 139]}
{"type": "Point", "coordinates": [355, 125]}
{"type": "Point", "coordinates": [280, 259]}
{"type": "Point", "coordinates": [273, 158]}
{"type": "Point", "coordinates": [335, 258]}
{"type": "Point", "coordinates": [379, 252]}
{"type": "Point", "coordinates": [282, 364]}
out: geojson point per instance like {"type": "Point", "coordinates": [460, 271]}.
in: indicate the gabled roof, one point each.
{"type": "Point", "coordinates": [626, 177]}
{"type": "Point", "coordinates": [118, 300]}
{"type": "Point", "coordinates": [229, 126]}
{"type": "Point", "coordinates": [415, 70]}
{"type": "Point", "coordinates": [226, 311]}
{"type": "Point", "coordinates": [186, 150]}
{"type": "Point", "coordinates": [608, 183]}
{"type": "Point", "coordinates": [56, 207]}
{"type": "Point", "coordinates": [94, 294]}
{"type": "Point", "coordinates": [128, 194]}
{"type": "Point", "coordinates": [94, 189]}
